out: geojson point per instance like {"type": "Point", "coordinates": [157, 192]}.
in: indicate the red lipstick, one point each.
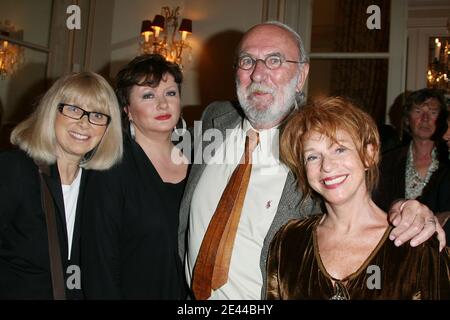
{"type": "Point", "coordinates": [334, 182]}
{"type": "Point", "coordinates": [163, 117]}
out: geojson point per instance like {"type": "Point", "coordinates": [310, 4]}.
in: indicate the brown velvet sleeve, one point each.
{"type": "Point", "coordinates": [273, 285]}
{"type": "Point", "coordinates": [434, 275]}
{"type": "Point", "coordinates": [444, 274]}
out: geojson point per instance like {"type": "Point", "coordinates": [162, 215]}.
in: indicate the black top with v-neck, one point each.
{"type": "Point", "coordinates": [129, 233]}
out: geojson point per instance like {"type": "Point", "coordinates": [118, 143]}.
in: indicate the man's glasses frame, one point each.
{"type": "Point", "coordinates": [95, 118]}
{"type": "Point", "coordinates": [272, 62]}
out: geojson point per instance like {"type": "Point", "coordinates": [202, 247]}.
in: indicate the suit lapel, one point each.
{"type": "Point", "coordinates": [288, 207]}
{"type": "Point", "coordinates": [228, 120]}
{"type": "Point", "coordinates": [220, 123]}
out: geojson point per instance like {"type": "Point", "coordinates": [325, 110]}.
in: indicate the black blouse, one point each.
{"type": "Point", "coordinates": [129, 233]}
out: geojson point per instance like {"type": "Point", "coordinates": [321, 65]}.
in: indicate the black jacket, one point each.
{"type": "Point", "coordinates": [24, 258]}
{"type": "Point", "coordinates": [436, 194]}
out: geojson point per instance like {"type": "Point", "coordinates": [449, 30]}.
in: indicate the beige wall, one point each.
{"type": "Point", "coordinates": [19, 92]}
{"type": "Point", "coordinates": [112, 40]}
{"type": "Point", "coordinates": [217, 27]}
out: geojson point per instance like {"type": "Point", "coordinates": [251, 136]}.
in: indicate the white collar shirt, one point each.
{"type": "Point", "coordinates": [260, 205]}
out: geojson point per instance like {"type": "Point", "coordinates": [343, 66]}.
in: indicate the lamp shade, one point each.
{"type": "Point", "coordinates": [146, 26]}
{"type": "Point", "coordinates": [158, 21]}
{"type": "Point", "coordinates": [186, 25]}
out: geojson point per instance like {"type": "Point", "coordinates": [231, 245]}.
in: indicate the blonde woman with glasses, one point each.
{"type": "Point", "coordinates": [75, 128]}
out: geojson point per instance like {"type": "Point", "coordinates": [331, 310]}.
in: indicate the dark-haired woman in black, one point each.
{"type": "Point", "coordinates": [129, 235]}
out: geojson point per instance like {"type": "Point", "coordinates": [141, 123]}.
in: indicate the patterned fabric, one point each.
{"type": "Point", "coordinates": [414, 183]}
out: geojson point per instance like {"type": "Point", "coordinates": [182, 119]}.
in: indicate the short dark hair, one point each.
{"type": "Point", "coordinates": [144, 70]}
{"type": "Point", "coordinates": [418, 97]}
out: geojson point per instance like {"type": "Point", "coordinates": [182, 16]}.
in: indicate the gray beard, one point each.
{"type": "Point", "coordinates": [273, 114]}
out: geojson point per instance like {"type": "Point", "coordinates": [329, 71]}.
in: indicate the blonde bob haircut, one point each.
{"type": "Point", "coordinates": [36, 135]}
{"type": "Point", "coordinates": [326, 117]}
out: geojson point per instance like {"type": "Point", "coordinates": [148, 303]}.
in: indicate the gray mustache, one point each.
{"type": "Point", "coordinates": [257, 87]}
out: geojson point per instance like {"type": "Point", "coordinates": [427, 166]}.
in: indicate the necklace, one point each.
{"type": "Point", "coordinates": [340, 292]}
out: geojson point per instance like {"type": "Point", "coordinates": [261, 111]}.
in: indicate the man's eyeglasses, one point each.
{"type": "Point", "coordinates": [272, 62]}
{"type": "Point", "coordinates": [75, 112]}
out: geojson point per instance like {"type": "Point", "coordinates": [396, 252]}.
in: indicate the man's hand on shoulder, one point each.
{"type": "Point", "coordinates": [414, 221]}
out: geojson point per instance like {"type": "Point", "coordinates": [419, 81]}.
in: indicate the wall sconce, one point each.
{"type": "Point", "coordinates": [160, 36]}
{"type": "Point", "coordinates": [11, 55]}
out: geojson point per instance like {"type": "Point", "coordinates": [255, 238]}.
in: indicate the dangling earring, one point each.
{"type": "Point", "coordinates": [132, 130]}
{"type": "Point", "coordinates": [295, 104]}
{"type": "Point", "coordinates": [184, 127]}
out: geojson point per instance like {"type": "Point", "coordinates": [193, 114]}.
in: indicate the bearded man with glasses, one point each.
{"type": "Point", "coordinates": [271, 70]}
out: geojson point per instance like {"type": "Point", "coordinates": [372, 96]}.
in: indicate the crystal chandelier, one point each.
{"type": "Point", "coordinates": [161, 36]}
{"type": "Point", "coordinates": [11, 55]}
{"type": "Point", "coordinates": [438, 73]}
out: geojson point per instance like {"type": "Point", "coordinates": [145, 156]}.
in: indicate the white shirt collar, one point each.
{"type": "Point", "coordinates": [269, 144]}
